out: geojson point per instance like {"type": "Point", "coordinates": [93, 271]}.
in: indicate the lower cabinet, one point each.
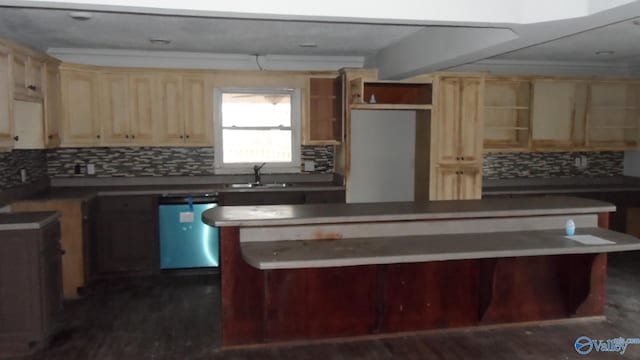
{"type": "Point", "coordinates": [126, 238]}
{"type": "Point", "coordinates": [30, 288]}
{"type": "Point", "coordinates": [458, 183]}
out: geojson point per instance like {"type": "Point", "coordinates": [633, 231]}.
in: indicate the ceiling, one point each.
{"type": "Point", "coordinates": [623, 38]}
{"type": "Point", "coordinates": [45, 28]}
{"type": "Point", "coordinates": [398, 48]}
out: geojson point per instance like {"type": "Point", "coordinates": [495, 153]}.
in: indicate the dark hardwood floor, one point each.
{"type": "Point", "coordinates": [175, 317]}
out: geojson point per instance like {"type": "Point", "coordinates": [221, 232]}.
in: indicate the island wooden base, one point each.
{"type": "Point", "coordinates": [305, 304]}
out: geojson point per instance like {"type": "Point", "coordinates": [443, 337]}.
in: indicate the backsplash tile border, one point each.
{"type": "Point", "coordinates": [549, 165]}
{"type": "Point", "coordinates": [159, 161]}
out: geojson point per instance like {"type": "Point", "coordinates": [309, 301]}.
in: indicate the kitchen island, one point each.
{"type": "Point", "coordinates": [305, 272]}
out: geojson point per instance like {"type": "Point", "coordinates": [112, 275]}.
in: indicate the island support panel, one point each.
{"type": "Point", "coordinates": [262, 306]}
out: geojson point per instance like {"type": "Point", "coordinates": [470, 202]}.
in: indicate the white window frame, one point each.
{"type": "Point", "coordinates": [247, 168]}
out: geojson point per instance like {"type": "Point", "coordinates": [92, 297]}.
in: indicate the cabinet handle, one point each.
{"type": "Point", "coordinates": [462, 158]}
{"type": "Point", "coordinates": [62, 252]}
{"type": "Point", "coordinates": [126, 136]}
{"type": "Point", "coordinates": [32, 87]}
{"type": "Point", "coordinates": [181, 137]}
{"type": "Point", "coordinates": [187, 136]}
{"type": "Point", "coordinates": [50, 137]}
{"type": "Point", "coordinates": [98, 136]}
{"type": "Point", "coordinates": [133, 136]}
{"type": "Point", "coordinates": [16, 138]}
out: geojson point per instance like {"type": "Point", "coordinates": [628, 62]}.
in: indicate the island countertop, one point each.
{"type": "Point", "coordinates": [278, 215]}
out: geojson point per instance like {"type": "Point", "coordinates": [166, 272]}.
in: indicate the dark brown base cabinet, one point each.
{"type": "Point", "coordinates": [30, 288]}
{"type": "Point", "coordinates": [126, 237]}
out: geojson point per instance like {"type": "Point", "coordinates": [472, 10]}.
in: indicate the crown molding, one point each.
{"type": "Point", "coordinates": [548, 68]}
{"type": "Point", "coordinates": [195, 60]}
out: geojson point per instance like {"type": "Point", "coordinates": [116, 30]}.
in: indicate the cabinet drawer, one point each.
{"type": "Point", "coordinates": [127, 203]}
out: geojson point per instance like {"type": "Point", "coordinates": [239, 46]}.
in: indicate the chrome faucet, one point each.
{"type": "Point", "coordinates": [256, 173]}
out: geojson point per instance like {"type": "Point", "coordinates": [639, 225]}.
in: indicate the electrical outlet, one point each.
{"type": "Point", "coordinates": [23, 175]}
{"type": "Point", "coordinates": [309, 165]}
{"type": "Point", "coordinates": [583, 161]}
{"type": "Point", "coordinates": [91, 169]}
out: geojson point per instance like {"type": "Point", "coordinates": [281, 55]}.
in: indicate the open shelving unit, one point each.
{"type": "Point", "coordinates": [507, 123]}
{"type": "Point", "coordinates": [613, 119]}
{"type": "Point", "coordinates": [390, 95]}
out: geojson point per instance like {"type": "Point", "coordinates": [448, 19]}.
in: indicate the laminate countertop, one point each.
{"type": "Point", "coordinates": [560, 186]}
{"type": "Point", "coordinates": [27, 220]}
{"type": "Point", "coordinates": [278, 215]}
{"type": "Point", "coordinates": [85, 193]}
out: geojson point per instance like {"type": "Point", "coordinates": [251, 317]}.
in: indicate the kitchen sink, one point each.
{"type": "Point", "coordinates": [255, 185]}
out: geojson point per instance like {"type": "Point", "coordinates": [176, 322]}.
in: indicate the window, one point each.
{"type": "Point", "coordinates": [253, 126]}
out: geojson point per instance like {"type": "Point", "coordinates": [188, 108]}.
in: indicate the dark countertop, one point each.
{"type": "Point", "coordinates": [27, 220]}
{"type": "Point", "coordinates": [88, 192]}
{"type": "Point", "coordinates": [560, 186]}
{"type": "Point", "coordinates": [276, 215]}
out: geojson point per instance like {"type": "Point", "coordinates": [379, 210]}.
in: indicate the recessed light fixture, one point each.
{"type": "Point", "coordinates": [160, 41]}
{"type": "Point", "coordinates": [605, 52]}
{"type": "Point", "coordinates": [309, 45]}
{"type": "Point", "coordinates": [80, 15]}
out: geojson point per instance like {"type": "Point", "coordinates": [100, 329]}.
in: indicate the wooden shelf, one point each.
{"type": "Point", "coordinates": [507, 127]}
{"type": "Point", "coordinates": [365, 106]}
{"type": "Point", "coordinates": [492, 107]}
{"type": "Point", "coordinates": [409, 94]}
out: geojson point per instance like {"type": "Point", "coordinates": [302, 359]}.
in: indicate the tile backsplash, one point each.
{"type": "Point", "coordinates": [34, 162]}
{"type": "Point", "coordinates": [549, 165]}
{"type": "Point", "coordinates": [157, 161]}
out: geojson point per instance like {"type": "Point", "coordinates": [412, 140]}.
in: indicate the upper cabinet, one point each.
{"type": "Point", "coordinates": [558, 114]}
{"type": "Point", "coordinates": [458, 117]}
{"type": "Point", "coordinates": [185, 105]}
{"type": "Point", "coordinates": [322, 124]}
{"type": "Point", "coordinates": [506, 114]}
{"type": "Point", "coordinates": [390, 95]}
{"type": "Point", "coordinates": [28, 77]}
{"type": "Point", "coordinates": [80, 123]}
{"type": "Point", "coordinates": [6, 102]}
{"type": "Point", "coordinates": [126, 115]}
{"type": "Point", "coordinates": [613, 114]}
{"type": "Point", "coordinates": [52, 105]}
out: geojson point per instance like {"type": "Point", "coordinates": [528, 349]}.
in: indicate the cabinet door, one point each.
{"type": "Point", "coordinates": [507, 114]}
{"type": "Point", "coordinates": [471, 126]}
{"type": "Point", "coordinates": [126, 243]}
{"type": "Point", "coordinates": [323, 123]}
{"type": "Point", "coordinates": [114, 109]}
{"type": "Point", "coordinates": [558, 109]}
{"type": "Point", "coordinates": [6, 106]}
{"type": "Point", "coordinates": [446, 183]}
{"type": "Point", "coordinates": [52, 106]}
{"type": "Point", "coordinates": [35, 78]}
{"type": "Point", "coordinates": [80, 123]}
{"type": "Point", "coordinates": [142, 117]}
{"type": "Point", "coordinates": [448, 120]}
{"type": "Point", "coordinates": [169, 107]}
{"type": "Point", "coordinates": [19, 70]}
{"type": "Point", "coordinates": [614, 115]}
{"type": "Point", "coordinates": [198, 110]}
{"type": "Point", "coordinates": [469, 183]}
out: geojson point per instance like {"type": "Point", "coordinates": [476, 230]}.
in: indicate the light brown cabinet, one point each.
{"type": "Point", "coordinates": [185, 104]}
{"type": "Point", "coordinates": [614, 114]}
{"type": "Point", "coordinates": [6, 102]}
{"type": "Point", "coordinates": [80, 123]}
{"type": "Point", "coordinates": [323, 123]}
{"type": "Point", "coordinates": [126, 114]}
{"type": "Point", "coordinates": [459, 120]}
{"type": "Point", "coordinates": [458, 183]}
{"type": "Point", "coordinates": [507, 123]}
{"type": "Point", "coordinates": [28, 73]}
{"type": "Point", "coordinates": [558, 114]}
{"type": "Point", "coordinates": [52, 106]}
{"type": "Point", "coordinates": [456, 143]}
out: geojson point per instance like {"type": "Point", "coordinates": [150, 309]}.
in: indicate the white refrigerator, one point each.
{"type": "Point", "coordinates": [382, 156]}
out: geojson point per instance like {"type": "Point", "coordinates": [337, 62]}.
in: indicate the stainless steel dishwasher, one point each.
{"type": "Point", "coordinates": [186, 241]}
